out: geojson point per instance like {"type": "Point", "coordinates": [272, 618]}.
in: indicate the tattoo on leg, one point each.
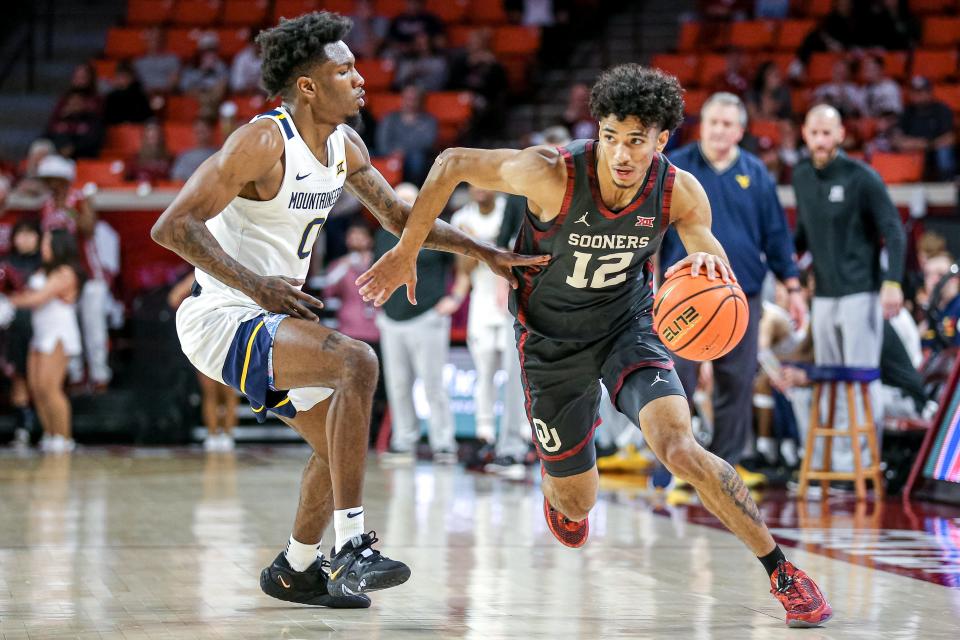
{"type": "Point", "coordinates": [332, 341]}
{"type": "Point", "coordinates": [733, 486]}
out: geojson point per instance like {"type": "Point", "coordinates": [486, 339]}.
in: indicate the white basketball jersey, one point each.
{"type": "Point", "coordinates": [275, 237]}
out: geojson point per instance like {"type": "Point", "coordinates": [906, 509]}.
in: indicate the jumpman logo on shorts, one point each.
{"type": "Point", "coordinates": [583, 219]}
{"type": "Point", "coordinates": [657, 379]}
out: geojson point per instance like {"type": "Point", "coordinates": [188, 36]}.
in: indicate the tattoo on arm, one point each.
{"type": "Point", "coordinates": [733, 486]}
{"type": "Point", "coordinates": [192, 240]}
{"type": "Point", "coordinates": [372, 190]}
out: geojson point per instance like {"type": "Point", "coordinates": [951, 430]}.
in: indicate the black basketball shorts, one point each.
{"type": "Point", "coordinates": [561, 383]}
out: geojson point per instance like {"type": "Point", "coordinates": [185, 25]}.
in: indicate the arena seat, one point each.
{"type": "Point", "coordinates": [941, 31]}
{"type": "Point", "coordinates": [122, 141]}
{"type": "Point", "coordinates": [182, 41]}
{"type": "Point", "coordinates": [380, 104]}
{"type": "Point", "coordinates": [179, 136]}
{"type": "Point", "coordinates": [817, 8]}
{"type": "Point", "coordinates": [251, 105]}
{"type": "Point", "coordinates": [689, 34]}
{"type": "Point", "coordinates": [377, 74]}
{"type": "Point", "coordinates": [196, 13]}
{"type": "Point", "coordinates": [391, 167]}
{"type": "Point", "coordinates": [949, 94]}
{"type": "Point", "coordinates": [293, 8]}
{"type": "Point", "coordinates": [820, 68]}
{"type": "Point", "coordinates": [897, 168]}
{"type": "Point", "coordinates": [105, 69]}
{"type": "Point", "coordinates": [181, 108]}
{"type": "Point", "coordinates": [125, 42]}
{"type": "Point", "coordinates": [792, 33]}
{"type": "Point", "coordinates": [449, 107]}
{"type": "Point", "coordinates": [450, 11]}
{"type": "Point", "coordinates": [389, 8]}
{"type": "Point", "coordinates": [103, 173]}
{"type": "Point", "coordinates": [515, 40]}
{"type": "Point", "coordinates": [936, 65]}
{"type": "Point", "coordinates": [761, 128]}
{"type": "Point", "coordinates": [683, 66]}
{"type": "Point", "coordinates": [486, 12]}
{"type": "Point", "coordinates": [895, 64]}
{"type": "Point", "coordinates": [928, 7]}
{"type": "Point", "coordinates": [459, 35]}
{"type": "Point", "coordinates": [245, 13]}
{"type": "Point", "coordinates": [753, 35]}
{"type": "Point", "coordinates": [232, 40]}
{"type": "Point", "coordinates": [149, 13]}
{"type": "Point", "coordinates": [712, 66]}
{"type": "Point", "coordinates": [693, 100]}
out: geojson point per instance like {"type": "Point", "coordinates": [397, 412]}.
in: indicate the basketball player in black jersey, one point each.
{"type": "Point", "coordinates": [599, 208]}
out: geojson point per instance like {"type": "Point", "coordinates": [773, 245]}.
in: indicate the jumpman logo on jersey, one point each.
{"type": "Point", "coordinates": [657, 379]}
{"type": "Point", "coordinates": [583, 219]}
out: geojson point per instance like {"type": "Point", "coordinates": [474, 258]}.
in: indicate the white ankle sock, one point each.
{"type": "Point", "coordinates": [768, 448]}
{"type": "Point", "coordinates": [347, 523]}
{"type": "Point", "coordinates": [299, 555]}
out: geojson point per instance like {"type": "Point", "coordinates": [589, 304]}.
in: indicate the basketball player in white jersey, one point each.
{"type": "Point", "coordinates": [247, 220]}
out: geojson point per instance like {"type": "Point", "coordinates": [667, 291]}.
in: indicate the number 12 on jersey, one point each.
{"type": "Point", "coordinates": [609, 273]}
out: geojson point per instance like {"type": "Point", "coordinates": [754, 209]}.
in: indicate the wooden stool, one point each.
{"type": "Point", "coordinates": [853, 377]}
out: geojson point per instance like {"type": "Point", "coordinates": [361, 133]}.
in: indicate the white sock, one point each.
{"type": "Point", "coordinates": [299, 555]}
{"type": "Point", "coordinates": [346, 526]}
{"type": "Point", "coordinates": [767, 447]}
{"type": "Point", "coordinates": [788, 449]}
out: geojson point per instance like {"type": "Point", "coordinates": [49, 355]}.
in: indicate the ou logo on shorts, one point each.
{"type": "Point", "coordinates": [549, 440]}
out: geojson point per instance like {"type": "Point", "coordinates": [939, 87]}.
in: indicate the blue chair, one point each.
{"type": "Point", "coordinates": [856, 380]}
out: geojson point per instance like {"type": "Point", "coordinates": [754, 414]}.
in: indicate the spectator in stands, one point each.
{"type": "Point", "coordinates": [245, 68]}
{"type": "Point", "coordinates": [734, 77]}
{"type": "Point", "coordinates": [152, 162]}
{"type": "Point", "coordinates": [416, 342]}
{"type": "Point", "coordinates": [126, 100]}
{"type": "Point", "coordinates": [942, 287]}
{"type": "Point", "coordinates": [881, 94]}
{"type": "Point", "coordinates": [790, 150]}
{"type": "Point", "coordinates": [769, 99]}
{"type": "Point", "coordinates": [414, 20]}
{"type": "Point", "coordinates": [422, 66]}
{"type": "Point", "coordinates": [478, 71]}
{"type": "Point", "coordinates": [369, 30]}
{"type": "Point", "coordinates": [22, 262]}
{"type": "Point", "coordinates": [927, 125]}
{"type": "Point", "coordinates": [29, 184]}
{"type": "Point", "coordinates": [206, 76]}
{"type": "Point", "coordinates": [884, 137]}
{"type": "Point", "coordinates": [889, 24]}
{"type": "Point", "coordinates": [839, 30]}
{"type": "Point", "coordinates": [410, 131]}
{"type": "Point", "coordinates": [52, 296]}
{"type": "Point", "coordinates": [76, 124]}
{"type": "Point", "coordinates": [769, 155]}
{"type": "Point", "coordinates": [157, 69]}
{"type": "Point", "coordinates": [354, 316]}
{"type": "Point", "coordinates": [576, 117]}
{"type": "Point", "coordinates": [188, 161]}
{"type": "Point", "coordinates": [841, 93]}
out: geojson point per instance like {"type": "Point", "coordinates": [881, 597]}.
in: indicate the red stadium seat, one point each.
{"type": "Point", "coordinates": [293, 8]}
{"type": "Point", "coordinates": [800, 100]}
{"type": "Point", "coordinates": [941, 31]}
{"type": "Point", "coordinates": [486, 12]}
{"type": "Point", "coordinates": [125, 43]}
{"type": "Point", "coordinates": [449, 107]}
{"type": "Point", "coordinates": [233, 40]}
{"type": "Point", "coordinates": [949, 94]}
{"type": "Point", "coordinates": [344, 7]}
{"type": "Point", "coordinates": [683, 66]}
{"type": "Point", "coordinates": [927, 7]}
{"type": "Point", "coordinates": [251, 105]}
{"type": "Point", "coordinates": [689, 35]}
{"type": "Point", "coordinates": [712, 66]}
{"type": "Point", "coordinates": [693, 100]}
{"type": "Point", "coordinates": [182, 41]}
{"type": "Point", "coordinates": [792, 33]}
{"type": "Point", "coordinates": [895, 64]}
{"type": "Point", "coordinates": [196, 13]}
{"type": "Point", "coordinates": [179, 136]}
{"type": "Point", "coordinates": [105, 69]}
{"type": "Point", "coordinates": [515, 39]}
{"type": "Point", "coordinates": [149, 13]}
{"type": "Point", "coordinates": [450, 11]}
{"type": "Point", "coordinates": [377, 74]}
{"type": "Point", "coordinates": [390, 8]}
{"type": "Point", "coordinates": [103, 173]}
{"type": "Point", "coordinates": [380, 104]}
{"type": "Point", "coordinates": [181, 108]}
{"type": "Point", "coordinates": [820, 68]}
{"type": "Point", "coordinates": [391, 167]}
{"type": "Point", "coordinates": [817, 8]}
{"type": "Point", "coordinates": [122, 140]}
{"type": "Point", "coordinates": [752, 35]}
{"type": "Point", "coordinates": [245, 13]}
{"type": "Point", "coordinates": [935, 65]}
{"type": "Point", "coordinates": [459, 35]}
{"type": "Point", "coordinates": [897, 168]}
{"type": "Point", "coordinates": [518, 69]}
{"type": "Point", "coordinates": [766, 129]}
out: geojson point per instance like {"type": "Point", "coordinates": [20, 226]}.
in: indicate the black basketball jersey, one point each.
{"type": "Point", "coordinates": [601, 275]}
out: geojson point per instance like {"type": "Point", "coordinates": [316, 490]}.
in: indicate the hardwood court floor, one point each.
{"type": "Point", "coordinates": [138, 544]}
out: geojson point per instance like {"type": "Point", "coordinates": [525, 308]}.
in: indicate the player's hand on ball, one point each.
{"type": "Point", "coordinates": [502, 262]}
{"type": "Point", "coordinates": [278, 294]}
{"type": "Point", "coordinates": [713, 266]}
{"type": "Point", "coordinates": [394, 268]}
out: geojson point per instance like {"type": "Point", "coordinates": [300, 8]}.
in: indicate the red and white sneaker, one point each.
{"type": "Point", "coordinates": [570, 533]}
{"type": "Point", "coordinates": [806, 606]}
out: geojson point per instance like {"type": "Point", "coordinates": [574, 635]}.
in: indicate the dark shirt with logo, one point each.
{"type": "Point", "coordinates": [600, 276]}
{"type": "Point", "coordinates": [845, 217]}
{"type": "Point", "coordinates": [433, 267]}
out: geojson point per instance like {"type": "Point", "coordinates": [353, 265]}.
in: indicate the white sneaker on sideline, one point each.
{"type": "Point", "coordinates": [227, 442]}
{"type": "Point", "coordinates": [211, 442]}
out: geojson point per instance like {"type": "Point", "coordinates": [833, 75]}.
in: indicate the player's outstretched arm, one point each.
{"type": "Point", "coordinates": [690, 214]}
{"type": "Point", "coordinates": [538, 173]}
{"type": "Point", "coordinates": [249, 155]}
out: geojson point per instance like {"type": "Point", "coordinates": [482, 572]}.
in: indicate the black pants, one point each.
{"type": "Point", "coordinates": [733, 377]}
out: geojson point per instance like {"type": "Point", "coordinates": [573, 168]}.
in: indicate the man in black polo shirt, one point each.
{"type": "Point", "coordinates": [844, 218]}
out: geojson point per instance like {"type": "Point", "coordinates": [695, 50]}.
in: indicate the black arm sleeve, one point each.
{"type": "Point", "coordinates": [887, 219]}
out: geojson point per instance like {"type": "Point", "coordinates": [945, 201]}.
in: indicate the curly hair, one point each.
{"type": "Point", "coordinates": [654, 97]}
{"type": "Point", "coordinates": [289, 48]}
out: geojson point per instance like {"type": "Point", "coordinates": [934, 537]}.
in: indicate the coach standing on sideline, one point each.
{"type": "Point", "coordinates": [750, 224]}
{"type": "Point", "coordinates": [844, 218]}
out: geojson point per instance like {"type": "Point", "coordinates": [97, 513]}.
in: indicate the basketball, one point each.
{"type": "Point", "coordinates": [700, 319]}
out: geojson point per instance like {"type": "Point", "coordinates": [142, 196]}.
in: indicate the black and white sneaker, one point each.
{"type": "Point", "coordinates": [507, 467]}
{"type": "Point", "coordinates": [358, 568]}
{"type": "Point", "coordinates": [280, 581]}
